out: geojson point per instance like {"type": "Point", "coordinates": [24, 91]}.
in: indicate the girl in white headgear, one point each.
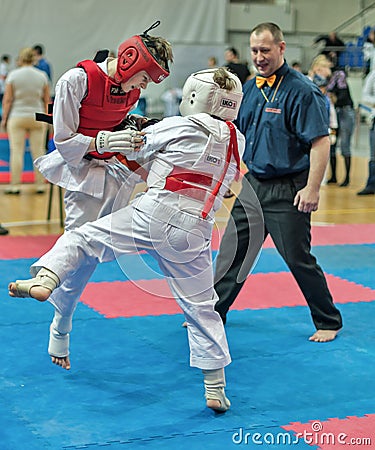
{"type": "Point", "coordinates": [191, 160]}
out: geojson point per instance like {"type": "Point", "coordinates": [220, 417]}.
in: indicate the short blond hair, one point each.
{"type": "Point", "coordinates": [318, 62]}
{"type": "Point", "coordinates": [26, 56]}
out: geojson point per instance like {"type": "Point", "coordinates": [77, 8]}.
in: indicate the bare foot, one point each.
{"type": "Point", "coordinates": [63, 362]}
{"type": "Point", "coordinates": [323, 335]}
{"type": "Point", "coordinates": [40, 293]}
{"type": "Point", "coordinates": [214, 404]}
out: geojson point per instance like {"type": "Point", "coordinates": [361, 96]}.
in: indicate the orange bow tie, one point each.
{"type": "Point", "coordinates": [260, 81]}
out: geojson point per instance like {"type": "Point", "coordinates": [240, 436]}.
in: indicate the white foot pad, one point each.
{"type": "Point", "coordinates": [217, 394]}
{"type": "Point", "coordinates": [58, 343]}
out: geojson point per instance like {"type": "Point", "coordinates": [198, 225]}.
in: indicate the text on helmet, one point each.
{"type": "Point", "coordinates": [227, 103]}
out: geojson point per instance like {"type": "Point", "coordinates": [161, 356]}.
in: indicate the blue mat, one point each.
{"type": "Point", "coordinates": [4, 156]}
{"type": "Point", "coordinates": [131, 385]}
{"type": "Point", "coordinates": [28, 162]}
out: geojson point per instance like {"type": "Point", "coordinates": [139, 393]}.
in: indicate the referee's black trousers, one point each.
{"type": "Point", "coordinates": [290, 231]}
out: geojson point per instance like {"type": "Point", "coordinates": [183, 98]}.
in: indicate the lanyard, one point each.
{"type": "Point", "coordinates": [274, 94]}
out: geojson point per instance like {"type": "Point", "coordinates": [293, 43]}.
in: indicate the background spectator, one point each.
{"type": "Point", "coordinates": [40, 61]}
{"type": "Point", "coordinates": [212, 62]}
{"type": "Point", "coordinates": [333, 46]}
{"type": "Point", "coordinates": [368, 97]}
{"type": "Point", "coordinates": [319, 73]}
{"type": "Point", "coordinates": [233, 63]}
{"type": "Point", "coordinates": [369, 52]}
{"type": "Point", "coordinates": [4, 70]}
{"type": "Point", "coordinates": [296, 66]}
{"type": "Point", "coordinates": [339, 88]}
{"type": "Point", "coordinates": [172, 99]}
{"type": "Point", "coordinates": [26, 92]}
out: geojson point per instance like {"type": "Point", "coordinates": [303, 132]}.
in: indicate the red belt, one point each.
{"type": "Point", "coordinates": [177, 180]}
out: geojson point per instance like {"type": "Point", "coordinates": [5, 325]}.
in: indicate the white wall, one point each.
{"type": "Point", "coordinates": [321, 16]}
{"type": "Point", "coordinates": [302, 16]}
{"type": "Point", "coordinates": [72, 30]}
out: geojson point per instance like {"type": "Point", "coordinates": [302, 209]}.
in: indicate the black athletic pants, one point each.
{"type": "Point", "coordinates": [291, 233]}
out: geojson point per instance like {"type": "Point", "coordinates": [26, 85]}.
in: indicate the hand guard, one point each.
{"type": "Point", "coordinates": [124, 141]}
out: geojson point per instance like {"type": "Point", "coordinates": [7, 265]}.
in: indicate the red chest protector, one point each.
{"type": "Point", "coordinates": [105, 104]}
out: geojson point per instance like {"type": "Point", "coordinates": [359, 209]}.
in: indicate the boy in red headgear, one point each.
{"type": "Point", "coordinates": [91, 100]}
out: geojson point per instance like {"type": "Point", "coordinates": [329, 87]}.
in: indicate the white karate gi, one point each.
{"type": "Point", "coordinates": [167, 225]}
{"type": "Point", "coordinates": [91, 186]}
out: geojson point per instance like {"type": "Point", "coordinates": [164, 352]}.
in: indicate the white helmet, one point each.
{"type": "Point", "coordinates": [201, 94]}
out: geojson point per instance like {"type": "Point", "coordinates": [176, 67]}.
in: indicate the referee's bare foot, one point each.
{"type": "Point", "coordinates": [63, 362]}
{"type": "Point", "coordinates": [323, 335]}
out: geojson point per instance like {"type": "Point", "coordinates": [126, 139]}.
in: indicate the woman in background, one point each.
{"type": "Point", "coordinates": [26, 92]}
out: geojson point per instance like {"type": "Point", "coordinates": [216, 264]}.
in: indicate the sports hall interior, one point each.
{"type": "Point", "coordinates": [130, 385]}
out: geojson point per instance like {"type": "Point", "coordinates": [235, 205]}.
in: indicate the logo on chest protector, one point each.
{"type": "Point", "coordinates": [116, 90]}
{"type": "Point", "coordinates": [227, 103]}
{"type": "Point", "coordinates": [213, 160]}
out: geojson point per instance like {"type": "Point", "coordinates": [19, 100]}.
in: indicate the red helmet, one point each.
{"type": "Point", "coordinates": [134, 56]}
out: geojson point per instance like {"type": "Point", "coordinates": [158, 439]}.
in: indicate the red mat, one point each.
{"type": "Point", "coordinates": [363, 233]}
{"type": "Point", "coordinates": [13, 247]}
{"type": "Point", "coordinates": [127, 299]}
{"type": "Point", "coordinates": [153, 297]}
{"type": "Point", "coordinates": [26, 177]}
{"type": "Point", "coordinates": [335, 434]}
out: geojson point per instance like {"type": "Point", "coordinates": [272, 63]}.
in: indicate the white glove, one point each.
{"type": "Point", "coordinates": [123, 141]}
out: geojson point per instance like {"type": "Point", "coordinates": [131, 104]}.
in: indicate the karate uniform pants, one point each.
{"type": "Point", "coordinates": [183, 256]}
